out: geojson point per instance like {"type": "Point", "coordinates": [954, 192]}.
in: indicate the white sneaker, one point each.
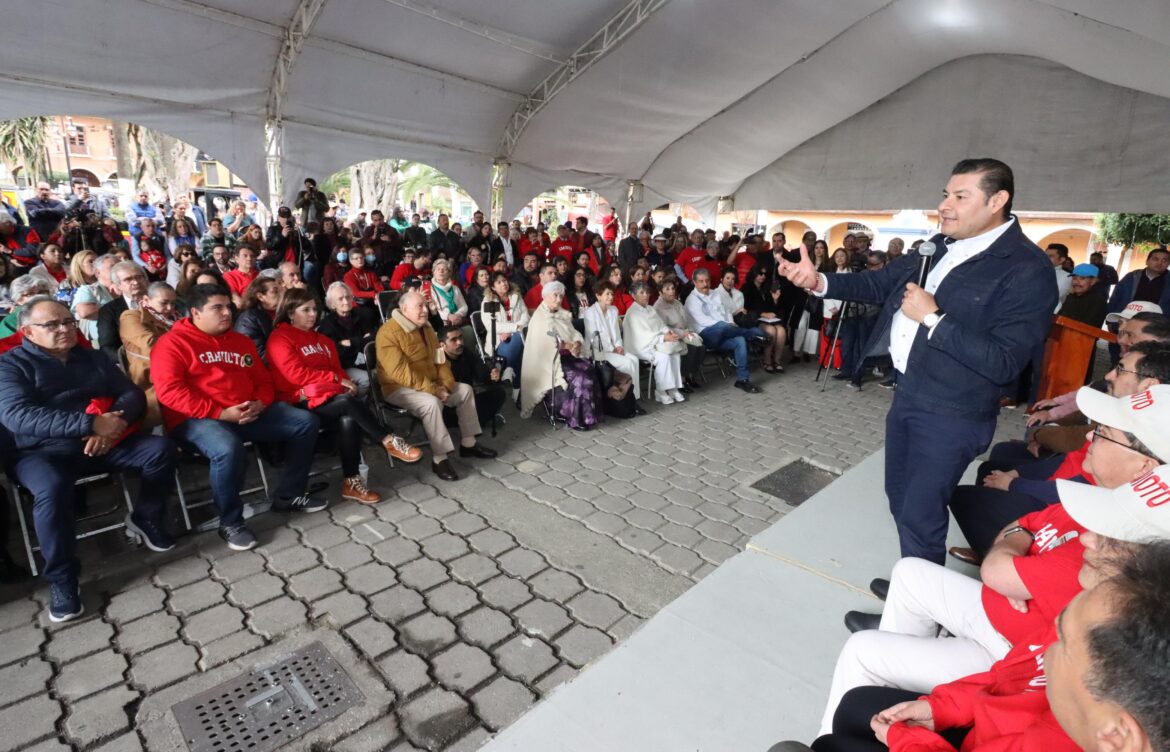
{"type": "Point", "coordinates": [678, 396]}
{"type": "Point", "coordinates": [664, 398]}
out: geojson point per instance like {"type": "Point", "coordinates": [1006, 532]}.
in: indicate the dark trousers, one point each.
{"type": "Point", "coordinates": [223, 444]}
{"type": "Point", "coordinates": [692, 361]}
{"type": "Point", "coordinates": [983, 512]}
{"type": "Point", "coordinates": [851, 729]}
{"type": "Point", "coordinates": [926, 454]}
{"type": "Point", "coordinates": [349, 418]}
{"type": "Point", "coordinates": [50, 479]}
{"type": "Point", "coordinates": [487, 403]}
{"type": "Point", "coordinates": [1014, 455]}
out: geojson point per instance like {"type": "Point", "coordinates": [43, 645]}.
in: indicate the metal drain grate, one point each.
{"type": "Point", "coordinates": [795, 483]}
{"type": "Point", "coordinates": [268, 707]}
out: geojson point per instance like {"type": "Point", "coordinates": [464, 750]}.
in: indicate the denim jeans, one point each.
{"type": "Point", "coordinates": [50, 477]}
{"type": "Point", "coordinates": [223, 444]}
{"type": "Point", "coordinates": [512, 351]}
{"type": "Point", "coordinates": [730, 338]}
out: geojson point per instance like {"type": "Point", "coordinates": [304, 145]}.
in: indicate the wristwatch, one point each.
{"type": "Point", "coordinates": [931, 319]}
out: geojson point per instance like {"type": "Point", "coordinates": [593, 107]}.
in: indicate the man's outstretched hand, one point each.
{"type": "Point", "coordinates": [801, 273]}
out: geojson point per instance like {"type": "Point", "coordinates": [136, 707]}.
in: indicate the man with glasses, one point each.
{"type": "Point", "coordinates": [44, 212]}
{"type": "Point", "coordinates": [131, 282]}
{"type": "Point", "coordinates": [1029, 575]}
{"type": "Point", "coordinates": [72, 414]}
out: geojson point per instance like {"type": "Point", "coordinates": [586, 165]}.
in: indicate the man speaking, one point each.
{"type": "Point", "coordinates": [957, 341]}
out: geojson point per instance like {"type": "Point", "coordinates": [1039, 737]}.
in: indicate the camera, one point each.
{"type": "Point", "coordinates": [491, 306]}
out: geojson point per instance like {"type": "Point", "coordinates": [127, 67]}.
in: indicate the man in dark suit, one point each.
{"type": "Point", "coordinates": [956, 342]}
{"type": "Point", "coordinates": [131, 282]}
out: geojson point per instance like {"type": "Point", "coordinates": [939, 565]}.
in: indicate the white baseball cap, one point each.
{"type": "Point", "coordinates": [1146, 415]}
{"type": "Point", "coordinates": [1133, 309]}
{"type": "Point", "coordinates": [1137, 511]}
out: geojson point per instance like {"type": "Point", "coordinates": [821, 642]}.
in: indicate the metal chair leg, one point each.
{"type": "Point", "coordinates": [28, 547]}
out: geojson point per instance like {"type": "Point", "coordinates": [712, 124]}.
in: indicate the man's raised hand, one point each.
{"type": "Point", "coordinates": [801, 273]}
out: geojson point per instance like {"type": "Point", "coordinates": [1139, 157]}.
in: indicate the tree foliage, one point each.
{"type": "Point", "coordinates": [22, 140]}
{"type": "Point", "coordinates": [1134, 230]}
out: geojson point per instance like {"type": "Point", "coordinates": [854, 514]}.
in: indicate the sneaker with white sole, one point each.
{"type": "Point", "coordinates": [678, 396]}
{"type": "Point", "coordinates": [237, 537]}
{"type": "Point", "coordinates": [299, 505]}
{"type": "Point", "coordinates": [149, 533]}
{"type": "Point", "coordinates": [664, 398]}
{"type": "Point", "coordinates": [355, 489]}
{"type": "Point", "coordinates": [65, 601]}
{"type": "Point", "coordinates": [400, 450]}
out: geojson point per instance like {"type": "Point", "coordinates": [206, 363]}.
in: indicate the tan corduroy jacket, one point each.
{"type": "Point", "coordinates": [407, 355]}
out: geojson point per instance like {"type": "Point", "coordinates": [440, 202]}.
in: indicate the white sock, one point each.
{"type": "Point", "coordinates": [438, 457]}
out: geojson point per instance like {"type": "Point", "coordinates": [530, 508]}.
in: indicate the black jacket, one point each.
{"type": "Point", "coordinates": [447, 242]}
{"type": "Point", "coordinates": [629, 251]}
{"type": "Point", "coordinates": [415, 236]}
{"type": "Point", "coordinates": [279, 245]}
{"type": "Point", "coordinates": [256, 324]}
{"type": "Point", "coordinates": [998, 310]}
{"type": "Point", "coordinates": [109, 319]}
{"type": "Point", "coordinates": [358, 329]}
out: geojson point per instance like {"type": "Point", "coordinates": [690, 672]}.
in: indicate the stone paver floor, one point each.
{"type": "Point", "coordinates": [472, 599]}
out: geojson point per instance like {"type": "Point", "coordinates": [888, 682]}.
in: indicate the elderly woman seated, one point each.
{"type": "Point", "coordinates": [670, 309]}
{"type": "Point", "coordinates": [603, 337]}
{"type": "Point", "coordinates": [511, 317]}
{"type": "Point", "coordinates": [351, 327]}
{"type": "Point", "coordinates": [649, 338]}
{"type": "Point", "coordinates": [553, 366]}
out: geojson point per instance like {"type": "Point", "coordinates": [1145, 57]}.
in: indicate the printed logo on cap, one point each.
{"type": "Point", "coordinates": [1141, 400]}
{"type": "Point", "coordinates": [1152, 489]}
{"type": "Point", "coordinates": [1137, 306]}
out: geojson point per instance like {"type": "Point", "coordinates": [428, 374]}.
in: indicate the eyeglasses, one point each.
{"type": "Point", "coordinates": [1098, 435]}
{"type": "Point", "coordinates": [54, 325]}
{"type": "Point", "coordinates": [1121, 370]}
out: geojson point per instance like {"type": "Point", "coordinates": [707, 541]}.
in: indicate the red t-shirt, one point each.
{"type": "Point", "coordinates": [562, 248]}
{"type": "Point", "coordinates": [1049, 571]}
{"type": "Point", "coordinates": [535, 296]}
{"type": "Point", "coordinates": [238, 281]}
{"type": "Point", "coordinates": [689, 259]}
{"type": "Point", "coordinates": [610, 231]}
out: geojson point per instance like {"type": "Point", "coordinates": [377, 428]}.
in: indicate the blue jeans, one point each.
{"type": "Point", "coordinates": [730, 338]}
{"type": "Point", "coordinates": [512, 352]}
{"type": "Point", "coordinates": [50, 479]}
{"type": "Point", "coordinates": [926, 454]}
{"type": "Point", "coordinates": [223, 444]}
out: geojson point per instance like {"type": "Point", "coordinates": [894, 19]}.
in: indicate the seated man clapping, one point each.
{"type": "Point", "coordinates": [72, 414]}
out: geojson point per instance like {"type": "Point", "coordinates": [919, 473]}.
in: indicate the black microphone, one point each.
{"type": "Point", "coordinates": [925, 253]}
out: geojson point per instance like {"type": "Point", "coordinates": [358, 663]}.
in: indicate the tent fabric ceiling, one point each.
{"type": "Point", "coordinates": [701, 99]}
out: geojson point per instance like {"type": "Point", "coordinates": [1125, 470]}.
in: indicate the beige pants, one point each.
{"type": "Point", "coordinates": [427, 408]}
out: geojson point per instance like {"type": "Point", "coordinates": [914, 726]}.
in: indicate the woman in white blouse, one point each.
{"type": "Point", "coordinates": [649, 338]}
{"type": "Point", "coordinates": [445, 298]}
{"type": "Point", "coordinates": [603, 337]}
{"type": "Point", "coordinates": [731, 298]}
{"type": "Point", "coordinates": [670, 309]}
{"type": "Point", "coordinates": [511, 319]}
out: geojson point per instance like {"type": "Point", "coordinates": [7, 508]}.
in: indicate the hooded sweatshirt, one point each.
{"type": "Point", "coordinates": [199, 375]}
{"type": "Point", "coordinates": [306, 361]}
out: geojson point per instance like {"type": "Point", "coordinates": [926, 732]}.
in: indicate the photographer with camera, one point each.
{"type": "Point", "coordinates": [83, 203]}
{"type": "Point", "coordinates": [312, 203]}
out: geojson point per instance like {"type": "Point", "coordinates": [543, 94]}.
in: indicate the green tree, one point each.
{"type": "Point", "coordinates": [23, 140]}
{"type": "Point", "coordinates": [1134, 230]}
{"type": "Point", "coordinates": [422, 179]}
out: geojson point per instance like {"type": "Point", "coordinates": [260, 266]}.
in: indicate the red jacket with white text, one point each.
{"type": "Point", "coordinates": [304, 360]}
{"type": "Point", "coordinates": [198, 375]}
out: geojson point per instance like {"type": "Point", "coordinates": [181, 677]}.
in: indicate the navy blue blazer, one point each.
{"type": "Point", "coordinates": [998, 308]}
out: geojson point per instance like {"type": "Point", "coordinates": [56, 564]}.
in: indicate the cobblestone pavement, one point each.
{"type": "Point", "coordinates": [472, 599]}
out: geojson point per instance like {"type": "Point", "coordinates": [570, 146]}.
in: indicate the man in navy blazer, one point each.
{"type": "Point", "coordinates": [957, 342]}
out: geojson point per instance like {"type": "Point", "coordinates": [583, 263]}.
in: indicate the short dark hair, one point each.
{"type": "Point", "coordinates": [446, 329]}
{"type": "Point", "coordinates": [1127, 654]}
{"type": "Point", "coordinates": [603, 286]}
{"type": "Point", "coordinates": [1156, 325]}
{"type": "Point", "coordinates": [996, 177]}
{"type": "Point", "coordinates": [1155, 360]}
{"type": "Point", "coordinates": [1158, 250]}
{"type": "Point", "coordinates": [291, 300]}
{"type": "Point", "coordinates": [1060, 248]}
{"type": "Point", "coordinates": [200, 294]}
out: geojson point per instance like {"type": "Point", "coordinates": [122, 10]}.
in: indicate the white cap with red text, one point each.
{"type": "Point", "coordinates": [1146, 415]}
{"type": "Point", "coordinates": [1137, 511]}
{"type": "Point", "coordinates": [1133, 309]}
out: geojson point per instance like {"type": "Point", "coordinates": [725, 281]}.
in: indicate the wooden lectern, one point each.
{"type": "Point", "coordinates": [1067, 354]}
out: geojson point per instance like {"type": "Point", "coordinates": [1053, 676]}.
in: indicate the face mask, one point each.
{"type": "Point", "coordinates": [341, 257]}
{"type": "Point", "coordinates": [370, 258]}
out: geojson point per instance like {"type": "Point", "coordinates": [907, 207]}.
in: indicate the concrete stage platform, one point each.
{"type": "Point", "coordinates": [743, 659]}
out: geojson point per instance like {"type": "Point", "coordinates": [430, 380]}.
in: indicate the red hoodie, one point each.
{"type": "Point", "coordinates": [304, 360]}
{"type": "Point", "coordinates": [364, 283]}
{"type": "Point", "coordinates": [1006, 708]}
{"type": "Point", "coordinates": [197, 375]}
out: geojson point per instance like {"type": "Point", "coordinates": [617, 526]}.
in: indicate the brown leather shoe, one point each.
{"type": "Point", "coordinates": [965, 555]}
{"type": "Point", "coordinates": [355, 490]}
{"type": "Point", "coordinates": [398, 449]}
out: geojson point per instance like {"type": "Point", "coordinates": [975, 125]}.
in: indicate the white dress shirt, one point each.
{"type": "Point", "coordinates": [1063, 286]}
{"type": "Point", "coordinates": [706, 310]}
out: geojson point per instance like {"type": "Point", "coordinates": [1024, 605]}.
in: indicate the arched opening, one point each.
{"type": "Point", "coordinates": [389, 185]}
{"type": "Point", "coordinates": [835, 235]}
{"type": "Point", "coordinates": [60, 148]}
{"type": "Point", "coordinates": [566, 204]}
{"type": "Point", "coordinates": [1079, 242]}
{"type": "Point", "coordinates": [667, 216]}
{"type": "Point", "coordinates": [793, 229]}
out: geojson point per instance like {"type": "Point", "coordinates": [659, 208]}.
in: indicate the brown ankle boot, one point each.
{"type": "Point", "coordinates": [398, 449]}
{"type": "Point", "coordinates": [355, 490]}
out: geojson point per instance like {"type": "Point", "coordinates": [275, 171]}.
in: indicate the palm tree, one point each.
{"type": "Point", "coordinates": [422, 179]}
{"type": "Point", "coordinates": [23, 140]}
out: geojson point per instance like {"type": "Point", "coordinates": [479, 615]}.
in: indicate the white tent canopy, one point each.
{"type": "Point", "coordinates": [797, 103]}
